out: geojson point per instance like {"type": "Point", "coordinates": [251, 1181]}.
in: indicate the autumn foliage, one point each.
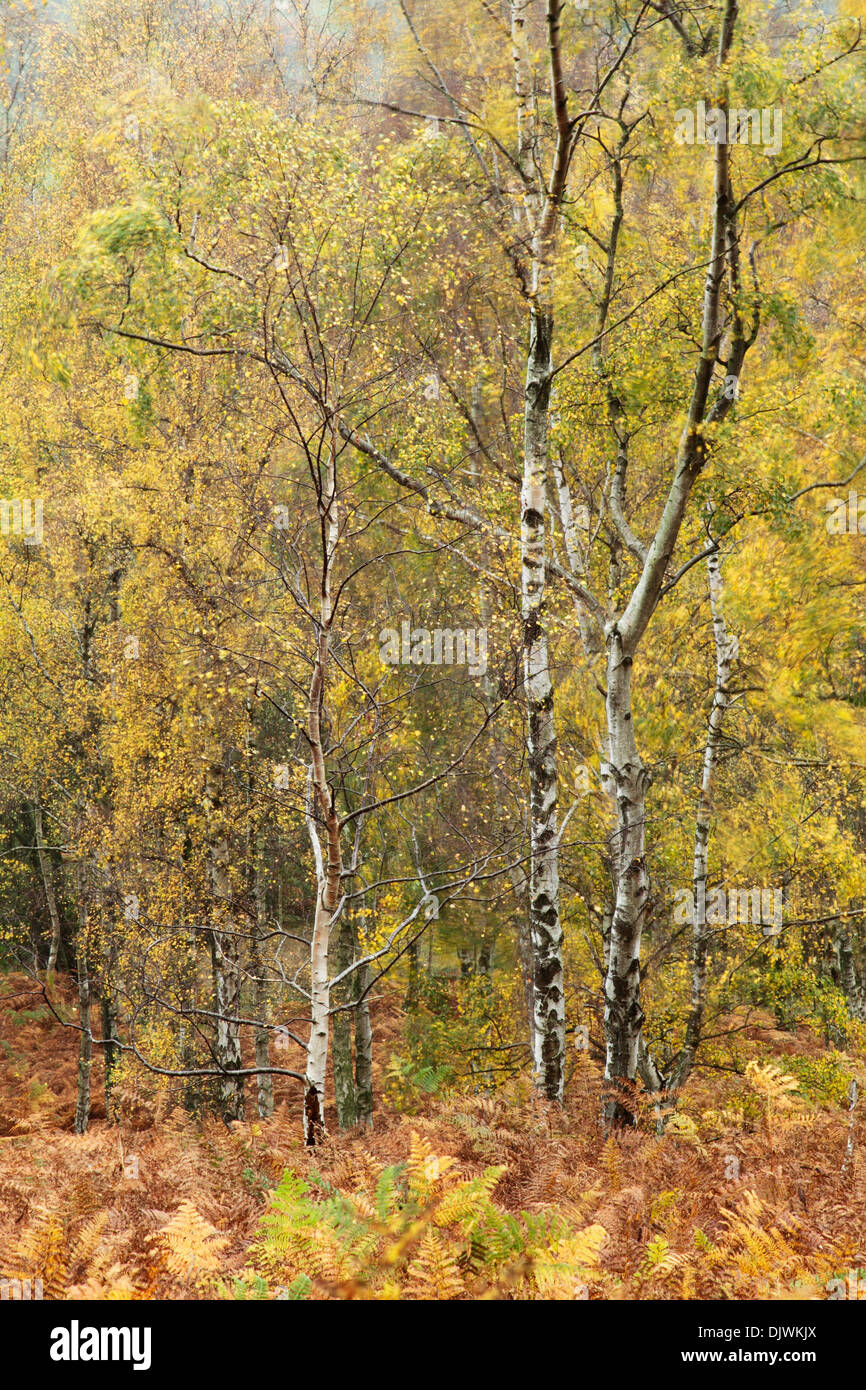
{"type": "Point", "coordinates": [432, 671]}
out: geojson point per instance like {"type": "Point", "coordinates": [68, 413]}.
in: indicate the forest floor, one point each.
{"type": "Point", "coordinates": [756, 1190]}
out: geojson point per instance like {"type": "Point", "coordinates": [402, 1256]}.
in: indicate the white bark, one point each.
{"type": "Point", "coordinates": [544, 921]}
{"type": "Point", "coordinates": [590, 636]}
{"type": "Point", "coordinates": [363, 1053]}
{"type": "Point", "coordinates": [321, 805]}
{"type": "Point", "coordinates": [48, 884]}
{"type": "Point", "coordinates": [626, 775]}
{"type": "Point", "coordinates": [726, 650]}
{"type": "Point", "coordinates": [264, 1080]}
{"type": "Point", "coordinates": [517, 874]}
{"type": "Point", "coordinates": [848, 975]}
{"type": "Point", "coordinates": [225, 955]}
{"type": "Point", "coordinates": [85, 1054]}
{"type": "Point", "coordinates": [628, 781]}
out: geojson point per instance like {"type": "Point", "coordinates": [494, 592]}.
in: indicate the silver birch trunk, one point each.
{"type": "Point", "coordinates": [322, 808]}
{"type": "Point", "coordinates": [261, 1033]}
{"type": "Point", "coordinates": [726, 650]}
{"type": "Point", "coordinates": [848, 976]}
{"type": "Point", "coordinates": [628, 780]}
{"type": "Point", "coordinates": [110, 1033]}
{"type": "Point", "coordinates": [344, 1079]}
{"type": "Point", "coordinates": [363, 1053]}
{"type": "Point", "coordinates": [85, 1053]}
{"type": "Point", "coordinates": [542, 209]}
{"type": "Point", "coordinates": [226, 965]}
{"type": "Point", "coordinates": [227, 989]}
{"type": "Point", "coordinates": [517, 875]}
{"type": "Point", "coordinates": [625, 775]}
{"type": "Point", "coordinates": [48, 884]}
{"type": "Point", "coordinates": [544, 921]}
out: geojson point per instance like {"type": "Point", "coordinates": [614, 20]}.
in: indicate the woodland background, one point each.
{"type": "Point", "coordinates": [330, 977]}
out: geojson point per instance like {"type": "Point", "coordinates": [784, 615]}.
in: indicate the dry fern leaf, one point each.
{"type": "Point", "coordinates": [43, 1252]}
{"type": "Point", "coordinates": [424, 1169]}
{"type": "Point", "coordinates": [684, 1127]}
{"type": "Point", "coordinates": [659, 1260]}
{"type": "Point", "coordinates": [562, 1273]}
{"type": "Point", "coordinates": [468, 1202]}
{"type": "Point", "coordinates": [193, 1248]}
{"type": "Point", "coordinates": [113, 1285]}
{"type": "Point", "coordinates": [433, 1272]}
{"type": "Point", "coordinates": [772, 1083]}
{"type": "Point", "coordinates": [87, 1241]}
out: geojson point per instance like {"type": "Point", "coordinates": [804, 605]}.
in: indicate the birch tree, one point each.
{"type": "Point", "coordinates": [530, 197]}
{"type": "Point", "coordinates": [624, 770]}
{"type": "Point", "coordinates": [726, 647]}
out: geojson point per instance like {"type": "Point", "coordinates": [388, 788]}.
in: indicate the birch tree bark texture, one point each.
{"type": "Point", "coordinates": [322, 812]}
{"type": "Point", "coordinates": [544, 919]}
{"type": "Point", "coordinates": [625, 775]}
